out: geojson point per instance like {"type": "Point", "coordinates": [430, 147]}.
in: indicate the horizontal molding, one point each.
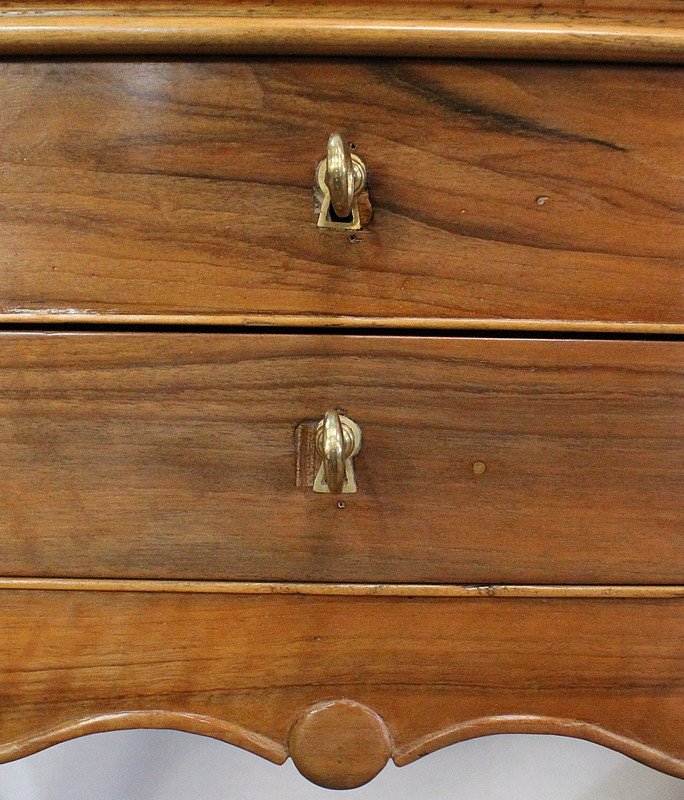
{"type": "Point", "coordinates": [597, 39]}
{"type": "Point", "coordinates": [340, 589]}
{"type": "Point", "coordinates": [82, 317]}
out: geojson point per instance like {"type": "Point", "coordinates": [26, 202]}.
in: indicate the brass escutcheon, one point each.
{"type": "Point", "coordinates": [338, 440]}
{"type": "Point", "coordinates": [340, 179]}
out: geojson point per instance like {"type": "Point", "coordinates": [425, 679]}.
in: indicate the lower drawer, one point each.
{"type": "Point", "coordinates": [341, 683]}
{"type": "Point", "coordinates": [483, 460]}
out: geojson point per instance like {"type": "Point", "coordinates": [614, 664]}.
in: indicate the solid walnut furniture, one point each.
{"type": "Point", "coordinates": [201, 357]}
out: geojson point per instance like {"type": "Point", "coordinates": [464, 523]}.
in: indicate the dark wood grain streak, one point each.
{"type": "Point", "coordinates": [182, 191]}
{"type": "Point", "coordinates": [244, 669]}
{"type": "Point", "coordinates": [173, 456]}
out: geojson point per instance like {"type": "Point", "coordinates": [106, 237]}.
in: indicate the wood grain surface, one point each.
{"type": "Point", "coordinates": [589, 9]}
{"type": "Point", "coordinates": [339, 744]}
{"type": "Point", "coordinates": [543, 591]}
{"type": "Point", "coordinates": [173, 456]}
{"type": "Point", "coordinates": [544, 195]}
{"type": "Point", "coordinates": [603, 30]}
{"type": "Point", "coordinates": [435, 671]}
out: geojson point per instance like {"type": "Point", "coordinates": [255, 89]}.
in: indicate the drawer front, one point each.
{"type": "Point", "coordinates": [483, 460]}
{"type": "Point", "coordinates": [503, 194]}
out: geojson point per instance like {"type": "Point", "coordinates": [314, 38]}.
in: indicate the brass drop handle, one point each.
{"type": "Point", "coordinates": [338, 440]}
{"type": "Point", "coordinates": [341, 177]}
{"type": "Point", "coordinates": [344, 177]}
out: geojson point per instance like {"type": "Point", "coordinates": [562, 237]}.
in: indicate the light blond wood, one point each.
{"type": "Point", "coordinates": [339, 589]}
{"type": "Point", "coordinates": [435, 670]}
{"type": "Point", "coordinates": [25, 317]}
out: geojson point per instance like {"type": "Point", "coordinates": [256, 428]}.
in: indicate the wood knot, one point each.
{"type": "Point", "coordinates": [340, 744]}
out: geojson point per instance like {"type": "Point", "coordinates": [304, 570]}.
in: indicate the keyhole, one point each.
{"type": "Point", "coordinates": [332, 216]}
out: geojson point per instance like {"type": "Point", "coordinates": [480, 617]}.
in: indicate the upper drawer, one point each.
{"type": "Point", "coordinates": [173, 456]}
{"type": "Point", "coordinates": [503, 194]}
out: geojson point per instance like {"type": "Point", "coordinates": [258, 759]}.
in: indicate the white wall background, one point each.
{"type": "Point", "coordinates": [165, 765]}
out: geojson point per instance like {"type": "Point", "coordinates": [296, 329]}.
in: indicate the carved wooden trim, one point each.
{"type": "Point", "coordinates": [341, 683]}
{"type": "Point", "coordinates": [313, 760]}
{"type": "Point", "coordinates": [340, 744]}
{"type": "Point", "coordinates": [473, 729]}
{"type": "Point", "coordinates": [136, 720]}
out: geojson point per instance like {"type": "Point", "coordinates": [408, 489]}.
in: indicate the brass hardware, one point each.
{"type": "Point", "coordinates": [340, 179]}
{"type": "Point", "coordinates": [338, 440]}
